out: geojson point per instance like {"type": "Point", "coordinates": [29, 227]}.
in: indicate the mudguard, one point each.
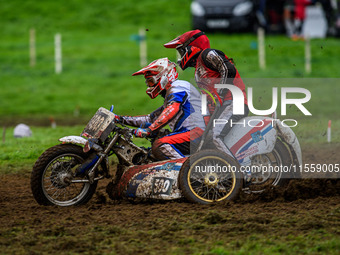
{"type": "Point", "coordinates": [251, 136]}
{"type": "Point", "coordinates": [73, 139]}
{"type": "Point", "coordinates": [288, 136]}
{"type": "Point", "coordinates": [82, 141]}
{"type": "Point", "coordinates": [156, 180]}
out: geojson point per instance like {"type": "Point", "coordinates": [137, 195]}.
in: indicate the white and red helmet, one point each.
{"type": "Point", "coordinates": [159, 75]}
{"type": "Point", "coordinates": [189, 45]}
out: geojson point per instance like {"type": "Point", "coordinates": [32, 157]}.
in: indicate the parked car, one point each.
{"type": "Point", "coordinates": [233, 15]}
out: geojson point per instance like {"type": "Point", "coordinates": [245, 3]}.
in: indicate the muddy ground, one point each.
{"type": "Point", "coordinates": [301, 218]}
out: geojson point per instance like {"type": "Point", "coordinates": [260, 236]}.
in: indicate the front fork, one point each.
{"type": "Point", "coordinates": [90, 166]}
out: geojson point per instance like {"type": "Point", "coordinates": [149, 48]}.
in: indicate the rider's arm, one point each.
{"type": "Point", "coordinates": [173, 105]}
{"type": "Point", "coordinates": [137, 121]}
{"type": "Point", "coordinates": [216, 60]}
{"type": "Point", "coordinates": [166, 116]}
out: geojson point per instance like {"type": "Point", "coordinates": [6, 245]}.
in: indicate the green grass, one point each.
{"type": "Point", "coordinates": [19, 154]}
{"type": "Point", "coordinates": [263, 244]}
{"type": "Point", "coordinates": [97, 72]}
{"type": "Point", "coordinates": [187, 229]}
{"type": "Point", "coordinates": [99, 56]}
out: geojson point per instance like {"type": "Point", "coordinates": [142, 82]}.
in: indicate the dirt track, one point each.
{"type": "Point", "coordinates": [305, 207]}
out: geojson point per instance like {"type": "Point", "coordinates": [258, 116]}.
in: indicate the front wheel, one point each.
{"type": "Point", "coordinates": [210, 176]}
{"type": "Point", "coordinates": [53, 179]}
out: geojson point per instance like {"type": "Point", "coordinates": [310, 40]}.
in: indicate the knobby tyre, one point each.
{"type": "Point", "coordinates": [52, 175]}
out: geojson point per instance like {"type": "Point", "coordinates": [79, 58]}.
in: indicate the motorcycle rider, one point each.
{"type": "Point", "coordinates": [211, 67]}
{"type": "Point", "coordinates": [181, 111]}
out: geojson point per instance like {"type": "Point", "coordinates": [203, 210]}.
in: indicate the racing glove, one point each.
{"type": "Point", "coordinates": [142, 132]}
{"type": "Point", "coordinates": [117, 118]}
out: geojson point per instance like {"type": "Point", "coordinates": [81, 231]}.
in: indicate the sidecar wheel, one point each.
{"type": "Point", "coordinates": [201, 183]}
{"type": "Point", "coordinates": [52, 174]}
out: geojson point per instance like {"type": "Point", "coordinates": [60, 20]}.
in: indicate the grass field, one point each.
{"type": "Point", "coordinates": [99, 56]}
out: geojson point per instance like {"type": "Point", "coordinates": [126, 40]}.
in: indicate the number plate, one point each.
{"type": "Point", "coordinates": [98, 124]}
{"type": "Point", "coordinates": [162, 185]}
{"type": "Point", "coordinates": [218, 23]}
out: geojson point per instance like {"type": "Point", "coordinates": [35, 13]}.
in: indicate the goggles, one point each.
{"type": "Point", "coordinates": [151, 81]}
{"type": "Point", "coordinates": [181, 50]}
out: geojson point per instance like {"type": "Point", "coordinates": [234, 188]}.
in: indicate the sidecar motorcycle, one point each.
{"type": "Point", "coordinates": [67, 174]}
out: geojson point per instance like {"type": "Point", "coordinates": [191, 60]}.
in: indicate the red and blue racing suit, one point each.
{"type": "Point", "coordinates": [182, 112]}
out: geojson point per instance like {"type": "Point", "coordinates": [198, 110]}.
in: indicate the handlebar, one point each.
{"type": "Point", "coordinates": [156, 134]}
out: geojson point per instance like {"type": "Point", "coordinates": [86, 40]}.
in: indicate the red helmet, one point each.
{"type": "Point", "coordinates": [188, 46]}
{"type": "Point", "coordinates": [159, 75]}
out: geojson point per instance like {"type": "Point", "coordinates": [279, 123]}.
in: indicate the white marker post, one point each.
{"type": "Point", "coordinates": [53, 123]}
{"type": "Point", "coordinates": [4, 135]}
{"type": "Point", "coordinates": [308, 56]}
{"type": "Point", "coordinates": [142, 47]}
{"type": "Point", "coordinates": [261, 48]}
{"type": "Point", "coordinates": [329, 131]}
{"type": "Point", "coordinates": [57, 53]}
{"type": "Point", "coordinates": [32, 48]}
{"type": "Point", "coordinates": [76, 111]}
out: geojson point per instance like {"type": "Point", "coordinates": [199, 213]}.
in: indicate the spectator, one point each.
{"type": "Point", "coordinates": [296, 9]}
{"type": "Point", "coordinates": [288, 17]}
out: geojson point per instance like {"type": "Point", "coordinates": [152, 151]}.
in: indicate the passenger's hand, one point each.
{"type": "Point", "coordinates": [142, 132]}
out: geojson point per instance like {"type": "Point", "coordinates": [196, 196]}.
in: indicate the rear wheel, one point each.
{"type": "Point", "coordinates": [210, 176]}
{"type": "Point", "coordinates": [271, 169]}
{"type": "Point", "coordinates": [53, 180]}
